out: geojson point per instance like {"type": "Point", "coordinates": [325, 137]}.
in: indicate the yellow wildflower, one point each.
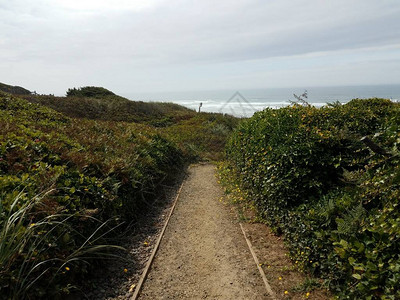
{"type": "Point", "coordinates": [286, 293]}
{"type": "Point", "coordinates": [308, 294]}
{"type": "Point", "coordinates": [67, 268]}
{"type": "Point", "coordinates": [280, 278]}
{"type": "Point", "coordinates": [125, 270]}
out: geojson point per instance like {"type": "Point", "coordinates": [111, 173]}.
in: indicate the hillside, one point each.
{"type": "Point", "coordinates": [15, 90]}
{"type": "Point", "coordinates": [198, 135]}
{"type": "Point", "coordinates": [99, 103]}
{"type": "Point", "coordinates": [70, 185]}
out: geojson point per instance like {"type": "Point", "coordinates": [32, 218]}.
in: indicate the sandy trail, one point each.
{"type": "Point", "coordinates": [203, 254]}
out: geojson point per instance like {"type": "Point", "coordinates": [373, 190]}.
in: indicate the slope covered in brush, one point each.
{"type": "Point", "coordinates": [64, 183]}
{"type": "Point", "coordinates": [16, 90]}
{"type": "Point", "coordinates": [198, 135]}
{"type": "Point", "coordinates": [102, 104]}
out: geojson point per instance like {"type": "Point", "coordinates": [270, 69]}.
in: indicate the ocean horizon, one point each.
{"type": "Point", "coordinates": [249, 101]}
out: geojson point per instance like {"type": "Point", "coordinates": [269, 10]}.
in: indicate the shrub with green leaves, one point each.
{"type": "Point", "coordinates": [104, 159]}
{"type": "Point", "coordinates": [98, 172]}
{"type": "Point", "coordinates": [314, 180]}
{"type": "Point", "coordinates": [89, 91]}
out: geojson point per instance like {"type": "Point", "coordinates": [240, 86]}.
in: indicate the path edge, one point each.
{"type": "Point", "coordinates": [264, 278]}
{"type": "Point", "coordinates": [154, 252]}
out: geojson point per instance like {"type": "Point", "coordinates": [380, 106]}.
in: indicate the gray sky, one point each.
{"type": "Point", "coordinates": [182, 45]}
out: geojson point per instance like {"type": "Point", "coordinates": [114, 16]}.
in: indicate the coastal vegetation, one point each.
{"type": "Point", "coordinates": [72, 179]}
{"type": "Point", "coordinates": [109, 107]}
{"type": "Point", "coordinates": [328, 180]}
{"type": "Point", "coordinates": [76, 171]}
{"type": "Point", "coordinates": [16, 90]}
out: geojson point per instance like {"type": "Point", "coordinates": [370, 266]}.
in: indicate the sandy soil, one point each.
{"type": "Point", "coordinates": [203, 254]}
{"type": "Point", "coordinates": [286, 281]}
{"type": "Point", "coordinates": [280, 271]}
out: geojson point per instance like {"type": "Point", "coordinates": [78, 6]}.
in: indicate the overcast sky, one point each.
{"type": "Point", "coordinates": [181, 45]}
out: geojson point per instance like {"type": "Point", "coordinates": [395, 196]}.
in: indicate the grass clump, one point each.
{"type": "Point", "coordinates": [31, 263]}
{"type": "Point", "coordinates": [333, 196]}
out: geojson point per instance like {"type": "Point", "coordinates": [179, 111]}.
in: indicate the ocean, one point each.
{"type": "Point", "coordinates": [243, 103]}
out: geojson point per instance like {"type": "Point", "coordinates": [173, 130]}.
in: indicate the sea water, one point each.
{"type": "Point", "coordinates": [245, 102]}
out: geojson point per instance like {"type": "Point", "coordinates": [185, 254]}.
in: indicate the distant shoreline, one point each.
{"type": "Point", "coordinates": [212, 101]}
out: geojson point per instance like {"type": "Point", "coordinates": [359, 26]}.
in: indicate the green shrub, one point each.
{"type": "Point", "coordinates": [89, 91]}
{"type": "Point", "coordinates": [313, 180]}
{"type": "Point", "coordinates": [97, 171]}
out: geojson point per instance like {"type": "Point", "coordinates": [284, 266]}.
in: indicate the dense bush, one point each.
{"type": "Point", "coordinates": [314, 180]}
{"type": "Point", "coordinates": [202, 136]}
{"type": "Point", "coordinates": [89, 91]}
{"type": "Point", "coordinates": [85, 173]}
{"type": "Point", "coordinates": [66, 182]}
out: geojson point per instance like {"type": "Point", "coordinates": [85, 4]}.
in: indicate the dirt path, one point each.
{"type": "Point", "coordinates": [203, 254]}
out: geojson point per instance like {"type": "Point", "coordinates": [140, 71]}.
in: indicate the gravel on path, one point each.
{"type": "Point", "coordinates": [203, 254]}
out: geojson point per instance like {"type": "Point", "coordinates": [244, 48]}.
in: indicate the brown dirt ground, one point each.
{"type": "Point", "coordinates": [276, 264]}
{"type": "Point", "coordinates": [273, 256]}
{"type": "Point", "coordinates": [203, 254]}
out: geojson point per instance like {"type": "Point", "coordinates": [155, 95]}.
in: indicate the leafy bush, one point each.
{"type": "Point", "coordinates": [314, 180]}
{"type": "Point", "coordinates": [89, 91]}
{"type": "Point", "coordinates": [98, 172]}
{"type": "Point", "coordinates": [202, 136]}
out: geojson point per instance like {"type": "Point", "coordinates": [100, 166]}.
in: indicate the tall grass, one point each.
{"type": "Point", "coordinates": [27, 243]}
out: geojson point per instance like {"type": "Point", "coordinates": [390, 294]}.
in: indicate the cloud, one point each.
{"type": "Point", "coordinates": [103, 5]}
{"type": "Point", "coordinates": [139, 37]}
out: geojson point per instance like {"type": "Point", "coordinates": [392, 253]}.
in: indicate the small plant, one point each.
{"type": "Point", "coordinates": [309, 284]}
